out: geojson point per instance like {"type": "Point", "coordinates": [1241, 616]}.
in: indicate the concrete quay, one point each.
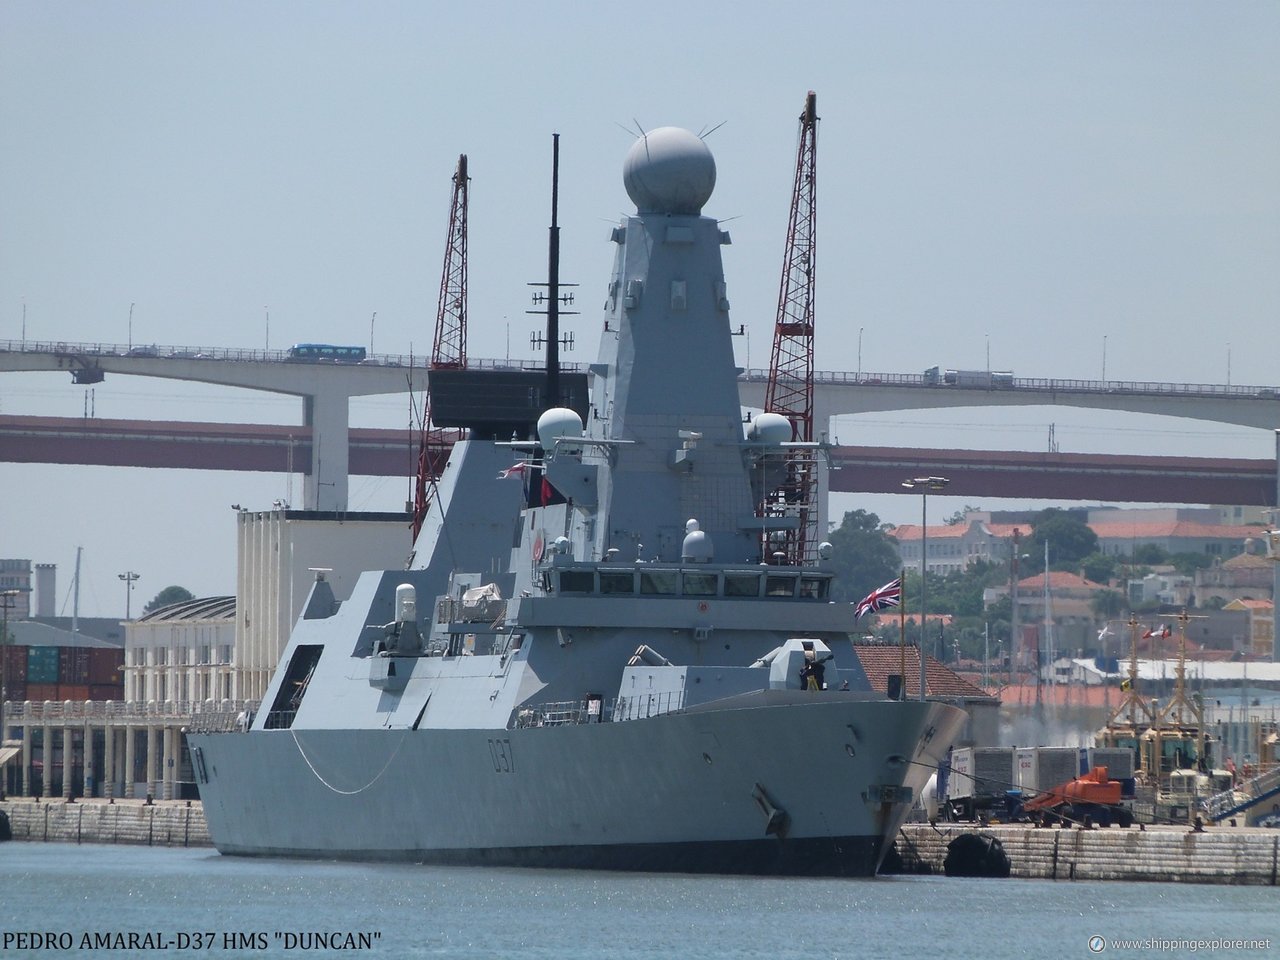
{"type": "Point", "coordinates": [164, 823]}
{"type": "Point", "coordinates": [1170, 854]}
{"type": "Point", "coordinates": [1219, 855]}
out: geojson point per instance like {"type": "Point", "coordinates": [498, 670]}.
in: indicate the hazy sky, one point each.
{"type": "Point", "coordinates": [1032, 177]}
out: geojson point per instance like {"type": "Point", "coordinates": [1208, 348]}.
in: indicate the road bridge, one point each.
{"type": "Point", "coordinates": [324, 440]}
{"type": "Point", "coordinates": [325, 388]}
{"type": "Point", "coordinates": [839, 393]}
{"type": "Point", "coordinates": [390, 453]}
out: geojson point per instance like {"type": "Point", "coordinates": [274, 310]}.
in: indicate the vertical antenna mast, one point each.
{"type": "Point", "coordinates": [552, 297]}
{"type": "Point", "coordinates": [553, 281]}
{"type": "Point", "coordinates": [790, 390]}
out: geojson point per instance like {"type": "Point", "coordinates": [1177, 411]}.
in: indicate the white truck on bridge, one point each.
{"type": "Point", "coordinates": [983, 379]}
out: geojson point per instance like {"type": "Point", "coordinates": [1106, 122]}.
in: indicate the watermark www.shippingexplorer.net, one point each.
{"type": "Point", "coordinates": [1179, 945]}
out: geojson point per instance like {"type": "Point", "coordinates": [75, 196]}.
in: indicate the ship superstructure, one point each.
{"type": "Point", "coordinates": [592, 661]}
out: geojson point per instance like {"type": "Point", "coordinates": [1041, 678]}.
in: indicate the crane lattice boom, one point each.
{"type": "Point", "coordinates": [790, 391]}
{"type": "Point", "coordinates": [449, 350]}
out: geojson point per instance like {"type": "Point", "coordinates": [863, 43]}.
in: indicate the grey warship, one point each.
{"type": "Point", "coordinates": [592, 659]}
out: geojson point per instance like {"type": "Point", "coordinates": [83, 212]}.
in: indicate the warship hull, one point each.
{"type": "Point", "coordinates": [698, 791]}
{"type": "Point", "coordinates": [614, 660]}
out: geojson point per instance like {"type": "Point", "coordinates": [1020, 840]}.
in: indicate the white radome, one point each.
{"type": "Point", "coordinates": [669, 170]}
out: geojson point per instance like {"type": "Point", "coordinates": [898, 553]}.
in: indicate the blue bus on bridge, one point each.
{"type": "Point", "coordinates": [327, 351]}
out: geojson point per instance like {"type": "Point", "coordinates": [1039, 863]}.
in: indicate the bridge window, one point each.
{"type": "Point", "coordinates": [814, 588]}
{"type": "Point", "coordinates": [577, 581]}
{"type": "Point", "coordinates": [742, 584]}
{"type": "Point", "coordinates": [658, 582]}
{"type": "Point", "coordinates": [617, 582]}
{"type": "Point", "coordinates": [701, 584]}
{"type": "Point", "coordinates": [780, 587]}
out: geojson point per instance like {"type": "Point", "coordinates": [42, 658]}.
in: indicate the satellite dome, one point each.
{"type": "Point", "coordinates": [770, 428]}
{"type": "Point", "coordinates": [669, 170]}
{"type": "Point", "coordinates": [558, 422]}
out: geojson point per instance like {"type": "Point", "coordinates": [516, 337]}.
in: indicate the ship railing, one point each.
{"type": "Point", "coordinates": [30, 711]}
{"type": "Point", "coordinates": [563, 712]}
{"type": "Point", "coordinates": [646, 705]}
{"type": "Point", "coordinates": [221, 722]}
{"type": "Point", "coordinates": [279, 719]}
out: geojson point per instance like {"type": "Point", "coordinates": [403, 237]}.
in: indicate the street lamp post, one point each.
{"type": "Point", "coordinates": [6, 602]}
{"type": "Point", "coordinates": [924, 485]}
{"type": "Point", "coordinates": [128, 577]}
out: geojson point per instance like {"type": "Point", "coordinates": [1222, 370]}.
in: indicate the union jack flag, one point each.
{"type": "Point", "coordinates": [890, 595]}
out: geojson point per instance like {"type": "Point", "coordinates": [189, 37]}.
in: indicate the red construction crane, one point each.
{"type": "Point", "coordinates": [790, 390]}
{"type": "Point", "coordinates": [449, 351]}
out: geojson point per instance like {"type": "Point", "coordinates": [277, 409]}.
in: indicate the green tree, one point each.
{"type": "Point", "coordinates": [958, 517]}
{"type": "Point", "coordinates": [864, 556]}
{"type": "Point", "coordinates": [960, 593]}
{"type": "Point", "coordinates": [1070, 539]}
{"type": "Point", "coordinates": [168, 595]}
{"type": "Point", "coordinates": [1150, 553]}
{"type": "Point", "coordinates": [1188, 563]}
{"type": "Point", "coordinates": [1001, 611]}
{"type": "Point", "coordinates": [1098, 567]}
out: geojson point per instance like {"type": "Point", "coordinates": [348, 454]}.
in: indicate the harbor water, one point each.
{"type": "Point", "coordinates": [190, 902]}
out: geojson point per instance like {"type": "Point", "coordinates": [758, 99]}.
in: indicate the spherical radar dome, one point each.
{"type": "Point", "coordinates": [556, 423]}
{"type": "Point", "coordinates": [669, 170]}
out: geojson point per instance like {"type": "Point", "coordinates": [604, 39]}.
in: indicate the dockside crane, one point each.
{"type": "Point", "coordinates": [449, 349]}
{"type": "Point", "coordinates": [790, 391]}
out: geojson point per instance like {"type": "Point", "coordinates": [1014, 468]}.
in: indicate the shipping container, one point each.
{"type": "Point", "coordinates": [75, 692]}
{"type": "Point", "coordinates": [73, 665]}
{"type": "Point", "coordinates": [17, 689]}
{"type": "Point", "coordinates": [992, 771]}
{"type": "Point", "coordinates": [106, 691]}
{"type": "Point", "coordinates": [1037, 769]}
{"type": "Point", "coordinates": [16, 668]}
{"type": "Point", "coordinates": [960, 779]}
{"type": "Point", "coordinates": [42, 665]}
{"type": "Point", "coordinates": [106, 666]}
{"type": "Point", "coordinates": [1026, 770]}
{"type": "Point", "coordinates": [1117, 760]}
{"type": "Point", "coordinates": [1059, 765]}
{"type": "Point", "coordinates": [979, 780]}
{"type": "Point", "coordinates": [40, 692]}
